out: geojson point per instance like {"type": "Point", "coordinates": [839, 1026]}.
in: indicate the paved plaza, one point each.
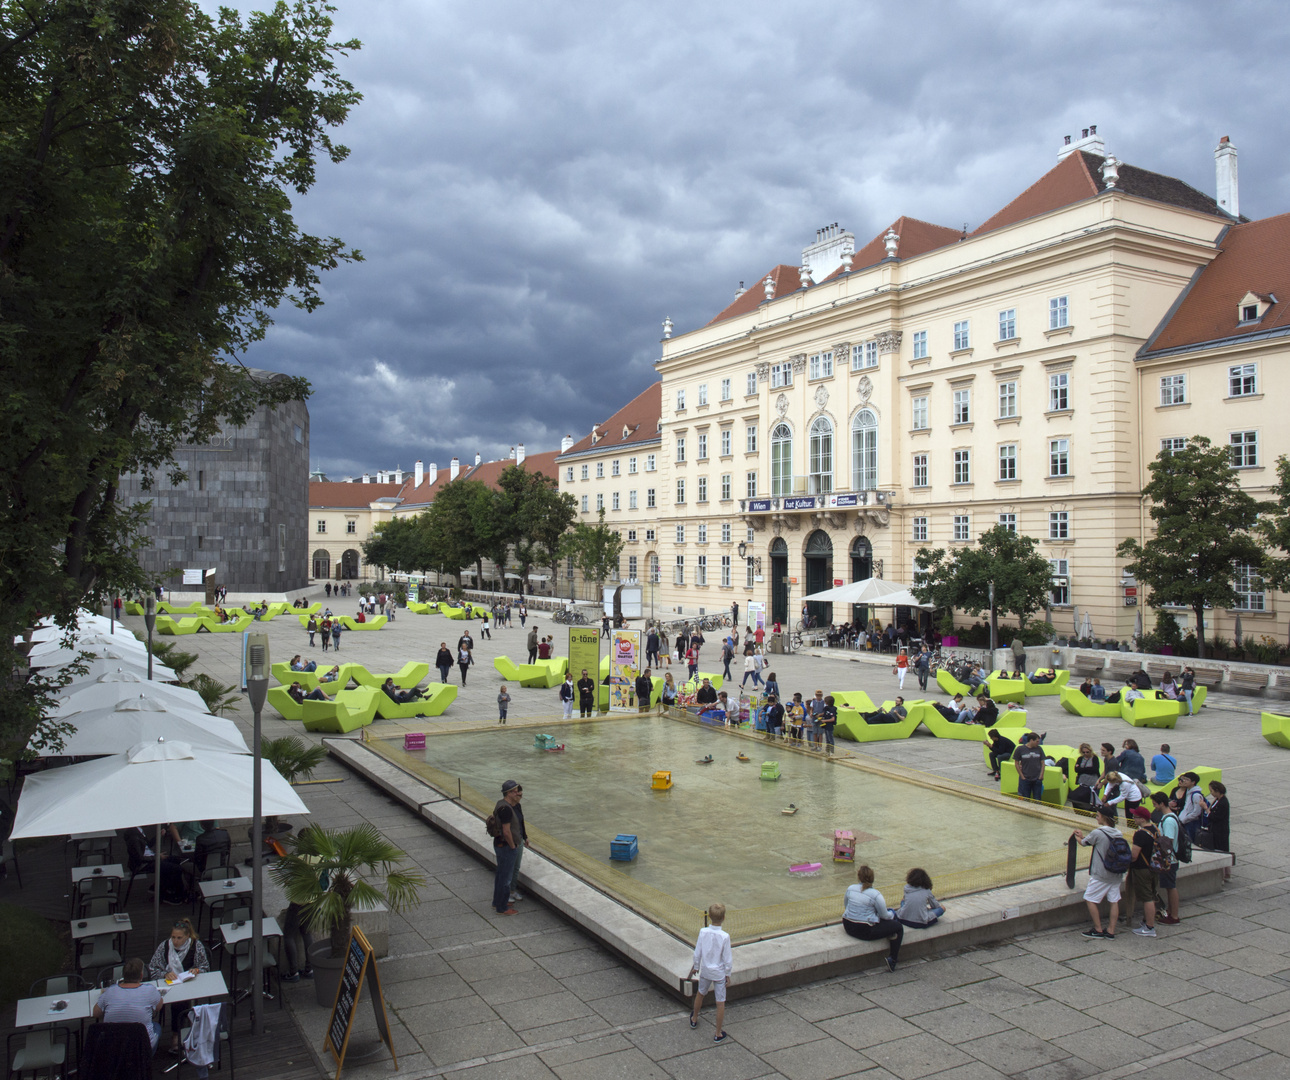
{"type": "Point", "coordinates": [474, 994]}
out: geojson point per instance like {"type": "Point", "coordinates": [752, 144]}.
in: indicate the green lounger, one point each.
{"type": "Point", "coordinates": [1010, 722]}
{"type": "Point", "coordinates": [374, 622]}
{"type": "Point", "coordinates": [1049, 688]}
{"type": "Point", "coordinates": [1150, 712]}
{"type": "Point", "coordinates": [418, 608]}
{"type": "Point", "coordinates": [309, 679]}
{"type": "Point", "coordinates": [287, 706]}
{"type": "Point", "coordinates": [1075, 702]}
{"type": "Point", "coordinates": [133, 608]}
{"type": "Point", "coordinates": [692, 685]}
{"type": "Point", "coordinates": [196, 607]}
{"type": "Point", "coordinates": [1205, 772]}
{"type": "Point", "coordinates": [1005, 690]}
{"type": "Point", "coordinates": [852, 726]}
{"type": "Point", "coordinates": [352, 709]}
{"type": "Point", "coordinates": [951, 685]}
{"type": "Point", "coordinates": [1276, 729]}
{"type": "Point", "coordinates": [455, 612]}
{"type": "Point", "coordinates": [1056, 783]}
{"type": "Point", "coordinates": [405, 678]}
{"type": "Point", "coordinates": [168, 624]}
{"type": "Point", "coordinates": [855, 700]}
{"type": "Point", "coordinates": [438, 696]}
{"type": "Point", "coordinates": [233, 626]}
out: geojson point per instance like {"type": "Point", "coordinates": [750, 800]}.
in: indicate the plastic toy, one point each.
{"type": "Point", "coordinates": [741, 756]}
{"type": "Point", "coordinates": [805, 868]}
{"type": "Point", "coordinates": [543, 742]}
{"type": "Point", "coordinates": [704, 760]}
{"type": "Point", "coordinates": [844, 846]}
{"type": "Point", "coordinates": [770, 770]}
{"type": "Point", "coordinates": [790, 809]}
{"type": "Point", "coordinates": [662, 781]}
{"type": "Point", "coordinates": [414, 741]}
{"type": "Point", "coordinates": [622, 847]}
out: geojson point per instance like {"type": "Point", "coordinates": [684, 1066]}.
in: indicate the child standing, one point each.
{"type": "Point", "coordinates": [503, 700]}
{"type": "Point", "coordinates": [712, 964]}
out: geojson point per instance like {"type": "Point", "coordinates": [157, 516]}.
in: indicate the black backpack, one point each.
{"type": "Point", "coordinates": [1119, 855]}
{"type": "Point", "coordinates": [1184, 840]}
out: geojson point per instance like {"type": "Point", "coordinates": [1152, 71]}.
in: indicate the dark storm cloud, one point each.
{"type": "Point", "coordinates": [535, 188]}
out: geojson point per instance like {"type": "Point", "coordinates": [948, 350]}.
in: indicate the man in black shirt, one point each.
{"type": "Point", "coordinates": [1030, 768]}
{"type": "Point", "coordinates": [707, 694]}
{"type": "Point", "coordinates": [644, 685]}
{"type": "Point", "coordinates": [505, 845]}
{"type": "Point", "coordinates": [1141, 881]}
{"type": "Point", "coordinates": [586, 694]}
{"type": "Point", "coordinates": [1001, 748]}
{"type": "Point", "coordinates": [774, 717]}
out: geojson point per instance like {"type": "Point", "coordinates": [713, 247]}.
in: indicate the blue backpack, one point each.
{"type": "Point", "coordinates": [1119, 855]}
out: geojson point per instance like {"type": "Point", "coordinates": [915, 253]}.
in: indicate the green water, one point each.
{"type": "Point", "coordinates": [719, 833]}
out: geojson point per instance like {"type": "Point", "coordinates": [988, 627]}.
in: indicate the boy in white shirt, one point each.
{"type": "Point", "coordinates": [712, 964]}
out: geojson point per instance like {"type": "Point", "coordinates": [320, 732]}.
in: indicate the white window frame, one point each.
{"type": "Point", "coordinates": [726, 442]}
{"type": "Point", "coordinates": [751, 482]}
{"type": "Point", "coordinates": [1059, 457]}
{"type": "Point", "coordinates": [586, 499]}
{"type": "Point", "coordinates": [680, 490]}
{"type": "Point", "coordinates": [1243, 446]}
{"type": "Point", "coordinates": [631, 499]}
{"type": "Point", "coordinates": [819, 477]}
{"type": "Point", "coordinates": [701, 571]}
{"type": "Point", "coordinates": [678, 571]}
{"type": "Point", "coordinates": [1008, 521]}
{"type": "Point", "coordinates": [1007, 324]}
{"type": "Point", "coordinates": [1059, 312]}
{"type": "Point", "coordinates": [1059, 391]}
{"type": "Point", "coordinates": [919, 342]}
{"type": "Point", "coordinates": [962, 527]}
{"type": "Point", "coordinates": [1173, 389]}
{"type": "Point", "coordinates": [600, 470]}
{"type": "Point", "coordinates": [919, 534]}
{"type": "Point", "coordinates": [613, 468]}
{"type": "Point", "coordinates": [680, 450]}
{"type": "Point", "coordinates": [781, 374]}
{"type": "Point", "coordinates": [600, 501]}
{"type": "Point", "coordinates": [725, 390]}
{"type": "Point", "coordinates": [1059, 525]}
{"type": "Point", "coordinates": [962, 406]}
{"type": "Point", "coordinates": [820, 366]}
{"type": "Point", "coordinates": [920, 474]}
{"type": "Point", "coordinates": [568, 474]}
{"type": "Point", "coordinates": [1060, 594]}
{"type": "Point", "coordinates": [655, 570]}
{"type": "Point", "coordinates": [703, 447]}
{"type": "Point", "coordinates": [725, 571]}
{"type": "Point", "coordinates": [726, 484]}
{"type": "Point", "coordinates": [781, 460]}
{"type": "Point", "coordinates": [702, 493]}
{"type": "Point", "coordinates": [651, 500]}
{"type": "Point", "coordinates": [613, 501]}
{"type": "Point", "coordinates": [1008, 399]}
{"type": "Point", "coordinates": [1242, 380]}
{"type": "Point", "coordinates": [751, 387]}
{"type": "Point", "coordinates": [680, 534]}
{"type": "Point", "coordinates": [1008, 461]}
{"type": "Point", "coordinates": [1173, 444]}
{"type": "Point", "coordinates": [632, 567]}
{"type": "Point", "coordinates": [703, 393]}
{"type": "Point", "coordinates": [702, 528]}
{"type": "Point", "coordinates": [963, 466]}
{"type": "Point", "coordinates": [586, 472]}
{"type": "Point", "coordinates": [321, 527]}
{"type": "Point", "coordinates": [919, 413]}
{"type": "Point", "coordinates": [864, 451]}
{"type": "Point", "coordinates": [1249, 598]}
{"type": "Point", "coordinates": [680, 400]}
{"type": "Point", "coordinates": [725, 532]}
{"type": "Point", "coordinates": [750, 439]}
{"type": "Point", "coordinates": [651, 463]}
{"type": "Point", "coordinates": [962, 334]}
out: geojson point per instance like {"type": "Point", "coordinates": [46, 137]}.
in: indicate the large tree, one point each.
{"type": "Point", "coordinates": [1274, 528]}
{"type": "Point", "coordinates": [396, 545]}
{"type": "Point", "coordinates": [1021, 576]}
{"type": "Point", "coordinates": [450, 526]}
{"type": "Point", "coordinates": [146, 233]}
{"type": "Point", "coordinates": [595, 549]}
{"type": "Point", "coordinates": [1203, 521]}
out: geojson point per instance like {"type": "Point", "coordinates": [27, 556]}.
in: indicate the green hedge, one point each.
{"type": "Point", "coordinates": [30, 948]}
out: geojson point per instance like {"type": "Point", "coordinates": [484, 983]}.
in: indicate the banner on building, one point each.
{"type": "Point", "coordinates": [584, 652]}
{"type": "Point", "coordinates": [624, 666]}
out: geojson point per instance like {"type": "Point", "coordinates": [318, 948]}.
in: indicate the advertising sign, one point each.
{"type": "Point", "coordinates": [584, 651]}
{"type": "Point", "coordinates": [758, 505]}
{"type": "Point", "coordinates": [756, 615]}
{"type": "Point", "coordinates": [1130, 596]}
{"type": "Point", "coordinates": [801, 502]}
{"type": "Point", "coordinates": [844, 500]}
{"type": "Point", "coordinates": [624, 666]}
{"type": "Point", "coordinates": [192, 577]}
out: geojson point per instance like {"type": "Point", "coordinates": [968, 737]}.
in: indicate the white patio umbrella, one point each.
{"type": "Point", "coordinates": [52, 653]}
{"type": "Point", "coordinates": [106, 690]}
{"type": "Point", "coordinates": [1137, 625]}
{"type": "Point", "coordinates": [109, 660]}
{"type": "Point", "coordinates": [114, 729]}
{"type": "Point", "coordinates": [875, 591]}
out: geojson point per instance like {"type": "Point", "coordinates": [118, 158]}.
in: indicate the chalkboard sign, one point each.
{"type": "Point", "coordinates": [360, 965]}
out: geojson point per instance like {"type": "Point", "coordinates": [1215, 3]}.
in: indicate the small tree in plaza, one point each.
{"type": "Point", "coordinates": [1203, 532]}
{"type": "Point", "coordinates": [595, 549]}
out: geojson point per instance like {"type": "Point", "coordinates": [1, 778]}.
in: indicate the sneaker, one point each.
{"type": "Point", "coordinates": [1091, 933]}
{"type": "Point", "coordinates": [508, 911]}
{"type": "Point", "coordinates": [308, 973]}
{"type": "Point", "coordinates": [1108, 936]}
{"type": "Point", "coordinates": [290, 978]}
{"type": "Point", "coordinates": [693, 1022]}
{"type": "Point", "coordinates": [891, 964]}
{"type": "Point", "coordinates": [1145, 931]}
{"type": "Point", "coordinates": [722, 1037]}
{"type": "Point", "coordinates": [1168, 920]}
{"type": "Point", "coordinates": [515, 897]}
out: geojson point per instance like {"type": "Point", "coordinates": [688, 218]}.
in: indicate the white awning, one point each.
{"type": "Point", "coordinates": [538, 577]}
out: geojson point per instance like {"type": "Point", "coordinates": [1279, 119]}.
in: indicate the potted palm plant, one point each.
{"type": "Point", "coordinates": [325, 872]}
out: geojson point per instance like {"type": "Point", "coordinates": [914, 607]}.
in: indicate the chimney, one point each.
{"type": "Point", "coordinates": [519, 454]}
{"type": "Point", "coordinates": [1225, 167]}
{"type": "Point", "coordinates": [826, 254]}
{"type": "Point", "coordinates": [740, 291]}
{"type": "Point", "coordinates": [511, 453]}
{"type": "Point", "coordinates": [454, 467]}
{"type": "Point", "coordinates": [367, 478]}
{"type": "Point", "coordinates": [432, 474]}
{"type": "Point", "coordinates": [566, 444]}
{"type": "Point", "coordinates": [398, 474]}
{"type": "Point", "coordinates": [477, 457]}
{"type": "Point", "coordinates": [418, 474]}
{"type": "Point", "coordinates": [1088, 140]}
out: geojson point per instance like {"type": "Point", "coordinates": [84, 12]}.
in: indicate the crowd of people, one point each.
{"type": "Point", "coordinates": [1138, 685]}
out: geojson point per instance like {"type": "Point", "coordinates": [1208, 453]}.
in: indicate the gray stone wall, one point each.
{"type": "Point", "coordinates": [243, 509]}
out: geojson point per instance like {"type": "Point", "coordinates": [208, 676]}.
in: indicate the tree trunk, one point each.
{"type": "Point", "coordinates": [1200, 632]}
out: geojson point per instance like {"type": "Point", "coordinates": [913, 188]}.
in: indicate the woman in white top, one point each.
{"type": "Point", "coordinates": [1122, 789]}
{"type": "Point", "coordinates": [866, 915]}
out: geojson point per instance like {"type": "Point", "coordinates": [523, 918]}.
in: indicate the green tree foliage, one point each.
{"type": "Point", "coordinates": [1203, 530]}
{"type": "Point", "coordinates": [1274, 528]}
{"type": "Point", "coordinates": [961, 580]}
{"type": "Point", "coordinates": [596, 550]}
{"type": "Point", "coordinates": [146, 234]}
{"type": "Point", "coordinates": [450, 534]}
{"type": "Point", "coordinates": [398, 544]}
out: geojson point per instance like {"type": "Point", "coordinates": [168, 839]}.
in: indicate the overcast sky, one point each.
{"type": "Point", "coordinates": [535, 187]}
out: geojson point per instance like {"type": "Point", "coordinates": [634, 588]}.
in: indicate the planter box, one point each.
{"type": "Point", "coordinates": [950, 641]}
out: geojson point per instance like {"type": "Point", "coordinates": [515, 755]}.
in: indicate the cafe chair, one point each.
{"type": "Point", "coordinates": [242, 964]}
{"type": "Point", "coordinates": [9, 858]}
{"type": "Point", "coordinates": [232, 915]}
{"type": "Point", "coordinates": [223, 1038]}
{"type": "Point", "coordinates": [110, 976]}
{"type": "Point", "coordinates": [42, 1050]}
{"type": "Point", "coordinates": [116, 1052]}
{"type": "Point", "coordinates": [100, 950]}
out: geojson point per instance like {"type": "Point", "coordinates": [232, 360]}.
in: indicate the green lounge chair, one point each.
{"type": "Point", "coordinates": [233, 626]}
{"type": "Point", "coordinates": [438, 696]}
{"type": "Point", "coordinates": [1150, 712]}
{"type": "Point", "coordinates": [196, 607]}
{"type": "Point", "coordinates": [168, 624]}
{"type": "Point", "coordinates": [133, 608]}
{"type": "Point", "coordinates": [1056, 783]}
{"type": "Point", "coordinates": [351, 710]}
{"type": "Point", "coordinates": [310, 679]}
{"type": "Point", "coordinates": [1009, 719]}
{"type": "Point", "coordinates": [1005, 690]}
{"type": "Point", "coordinates": [1276, 729]}
{"type": "Point", "coordinates": [287, 706]}
{"type": "Point", "coordinates": [851, 724]}
{"type": "Point", "coordinates": [1050, 688]}
{"type": "Point", "coordinates": [951, 685]}
{"type": "Point", "coordinates": [418, 608]}
{"type": "Point", "coordinates": [374, 622]}
{"type": "Point", "coordinates": [1205, 772]}
{"type": "Point", "coordinates": [692, 685]}
{"type": "Point", "coordinates": [855, 700]}
{"type": "Point", "coordinates": [455, 612]}
{"type": "Point", "coordinates": [1075, 702]}
{"type": "Point", "coordinates": [405, 678]}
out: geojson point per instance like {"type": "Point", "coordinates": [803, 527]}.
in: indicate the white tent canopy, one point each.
{"type": "Point", "coordinates": [106, 690]}
{"type": "Point", "coordinates": [91, 642]}
{"type": "Point", "coordinates": [114, 729]}
{"type": "Point", "coordinates": [873, 591]}
{"type": "Point", "coordinates": [58, 656]}
{"type": "Point", "coordinates": [111, 660]}
{"type": "Point", "coordinates": [152, 782]}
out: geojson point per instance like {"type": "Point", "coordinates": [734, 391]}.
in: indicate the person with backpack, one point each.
{"type": "Point", "coordinates": [1191, 803]}
{"type": "Point", "coordinates": [503, 826]}
{"type": "Point", "coordinates": [1174, 835]}
{"type": "Point", "coordinates": [1109, 860]}
{"type": "Point", "coordinates": [1150, 856]}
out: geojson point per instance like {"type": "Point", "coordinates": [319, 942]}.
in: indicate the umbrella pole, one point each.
{"type": "Point", "coordinates": [156, 886]}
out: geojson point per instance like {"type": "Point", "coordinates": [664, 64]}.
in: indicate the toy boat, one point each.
{"type": "Point", "coordinates": [550, 749]}
{"type": "Point", "coordinates": [741, 756]}
{"type": "Point", "coordinates": [704, 760]}
{"type": "Point", "coordinates": [790, 809]}
{"type": "Point", "coordinates": [805, 868]}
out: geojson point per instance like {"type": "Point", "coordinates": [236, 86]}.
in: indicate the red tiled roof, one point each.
{"type": "Point", "coordinates": [423, 495]}
{"type": "Point", "coordinates": [1252, 257]}
{"type": "Point", "coordinates": [323, 493]}
{"type": "Point", "coordinates": [916, 238]}
{"type": "Point", "coordinates": [787, 279]}
{"type": "Point", "coordinates": [489, 472]}
{"type": "Point", "coordinates": [639, 417]}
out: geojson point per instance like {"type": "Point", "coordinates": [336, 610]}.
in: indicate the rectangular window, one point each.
{"type": "Point", "coordinates": [701, 571]}
{"type": "Point", "coordinates": [600, 469]}
{"type": "Point", "coordinates": [584, 504]}
{"type": "Point", "coordinates": [1248, 584]}
{"type": "Point", "coordinates": [680, 491]}
{"type": "Point", "coordinates": [920, 470]}
{"type": "Point", "coordinates": [963, 466]}
{"type": "Point", "coordinates": [703, 489]}
{"type": "Point", "coordinates": [1173, 389]}
{"type": "Point", "coordinates": [680, 534]}
{"type": "Point", "coordinates": [613, 501]}
{"type": "Point", "coordinates": [1244, 449]}
{"type": "Point", "coordinates": [1008, 462]}
{"type": "Point", "coordinates": [703, 447]}
{"type": "Point", "coordinates": [322, 525]}
{"type": "Point", "coordinates": [649, 499]}
{"type": "Point", "coordinates": [781, 375]}
{"type": "Point", "coordinates": [725, 486]}
{"type": "Point", "coordinates": [725, 442]}
{"type": "Point", "coordinates": [920, 344]}
{"type": "Point", "coordinates": [751, 573]}
{"type": "Point", "coordinates": [654, 573]}
{"type": "Point", "coordinates": [725, 532]}
{"type": "Point", "coordinates": [1058, 313]}
{"type": "Point", "coordinates": [725, 571]}
{"type": "Point", "coordinates": [703, 393]}
{"type": "Point", "coordinates": [1242, 380]}
{"type": "Point", "coordinates": [820, 366]}
{"type": "Point", "coordinates": [962, 406]}
{"type": "Point", "coordinates": [586, 472]}
{"type": "Point", "coordinates": [600, 501]}
{"type": "Point", "coordinates": [1059, 386]}
{"type": "Point", "coordinates": [752, 535]}
{"type": "Point", "coordinates": [870, 354]}
{"type": "Point", "coordinates": [962, 527]}
{"type": "Point", "coordinates": [613, 467]}
{"type": "Point", "coordinates": [962, 335]}
{"type": "Point", "coordinates": [752, 485]}
{"type": "Point", "coordinates": [1008, 324]}
{"type": "Point", "coordinates": [351, 527]}
{"type": "Point", "coordinates": [703, 532]}
{"type": "Point", "coordinates": [568, 474]}
{"type": "Point", "coordinates": [680, 401]}
{"type": "Point", "coordinates": [649, 536]}
{"type": "Point", "coordinates": [650, 463]}
{"type": "Point", "coordinates": [1009, 522]}
{"type": "Point", "coordinates": [1059, 457]}
{"type": "Point", "coordinates": [751, 388]}
{"type": "Point", "coordinates": [1173, 445]}
{"type": "Point", "coordinates": [1007, 400]}
{"type": "Point", "coordinates": [201, 480]}
{"type": "Point", "coordinates": [1059, 525]}
{"type": "Point", "coordinates": [631, 466]}
{"type": "Point", "coordinates": [919, 412]}
{"type": "Point", "coordinates": [631, 535]}
{"type": "Point", "coordinates": [1061, 583]}
{"type": "Point", "coordinates": [680, 449]}
{"type": "Point", "coordinates": [282, 549]}
{"type": "Point", "coordinates": [631, 499]}
{"type": "Point", "coordinates": [920, 530]}
{"type": "Point", "coordinates": [750, 439]}
{"type": "Point", "coordinates": [725, 389]}
{"type": "Point", "coordinates": [678, 571]}
{"type": "Point", "coordinates": [631, 567]}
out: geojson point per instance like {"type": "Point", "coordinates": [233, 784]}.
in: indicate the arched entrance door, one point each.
{"type": "Point", "coordinates": [779, 583]}
{"type": "Point", "coordinates": [861, 568]}
{"type": "Point", "coordinates": [349, 564]}
{"type": "Point", "coordinates": [322, 564]}
{"type": "Point", "coordinates": [819, 574]}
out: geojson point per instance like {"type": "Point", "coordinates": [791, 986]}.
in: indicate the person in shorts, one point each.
{"type": "Point", "coordinates": [1102, 883]}
{"type": "Point", "coordinates": [1142, 881]}
{"type": "Point", "coordinates": [713, 962]}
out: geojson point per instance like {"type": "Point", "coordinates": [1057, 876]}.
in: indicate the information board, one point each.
{"type": "Point", "coordinates": [584, 652]}
{"type": "Point", "coordinates": [624, 665]}
{"type": "Point", "coordinates": [360, 965]}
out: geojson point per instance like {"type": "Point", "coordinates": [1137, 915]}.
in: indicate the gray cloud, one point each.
{"type": "Point", "coordinates": [535, 188]}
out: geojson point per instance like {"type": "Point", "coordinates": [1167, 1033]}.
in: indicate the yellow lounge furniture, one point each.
{"type": "Point", "coordinates": [1276, 729]}
{"type": "Point", "coordinates": [1076, 703]}
{"type": "Point", "coordinates": [195, 607]}
{"type": "Point", "coordinates": [308, 679]}
{"type": "Point", "coordinates": [951, 685]}
{"type": "Point", "coordinates": [1150, 712]}
{"type": "Point", "coordinates": [852, 725]}
{"type": "Point", "coordinates": [352, 709]}
{"type": "Point", "coordinates": [405, 678]}
{"type": "Point", "coordinates": [1047, 689]}
{"type": "Point", "coordinates": [942, 728]}
{"type": "Point", "coordinates": [438, 696]}
{"type": "Point", "coordinates": [374, 622]}
{"type": "Point", "coordinates": [1005, 690]}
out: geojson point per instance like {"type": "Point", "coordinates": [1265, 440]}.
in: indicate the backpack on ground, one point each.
{"type": "Point", "coordinates": [1119, 855]}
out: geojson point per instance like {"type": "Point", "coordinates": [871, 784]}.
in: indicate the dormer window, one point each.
{"type": "Point", "coordinates": [1249, 312]}
{"type": "Point", "coordinates": [1254, 306]}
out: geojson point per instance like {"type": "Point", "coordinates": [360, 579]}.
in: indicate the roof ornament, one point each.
{"type": "Point", "coordinates": [892, 239]}
{"type": "Point", "coordinates": [848, 252]}
{"type": "Point", "coordinates": [769, 287]}
{"type": "Point", "coordinates": [805, 274]}
{"type": "Point", "coordinates": [1110, 171]}
{"type": "Point", "coordinates": [667, 327]}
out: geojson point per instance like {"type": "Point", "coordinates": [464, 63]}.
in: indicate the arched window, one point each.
{"type": "Point", "coordinates": [864, 451]}
{"type": "Point", "coordinates": [781, 460]}
{"type": "Point", "coordinates": [821, 474]}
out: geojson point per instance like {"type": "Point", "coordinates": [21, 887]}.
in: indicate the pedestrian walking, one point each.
{"type": "Point", "coordinates": [902, 666]}
{"type": "Point", "coordinates": [443, 661]}
{"type": "Point", "coordinates": [923, 666]}
{"type": "Point", "coordinates": [311, 627]}
{"type": "Point", "coordinates": [336, 628]}
{"type": "Point", "coordinates": [464, 660]}
{"type": "Point", "coordinates": [503, 701]}
{"type": "Point", "coordinates": [524, 614]}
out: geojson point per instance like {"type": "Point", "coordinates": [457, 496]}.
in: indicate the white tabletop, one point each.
{"type": "Point", "coordinates": [100, 924]}
{"type": "Point", "coordinates": [108, 835]}
{"type": "Point", "coordinates": [208, 984]}
{"type": "Point", "coordinates": [213, 890]}
{"type": "Point", "coordinates": [234, 933]}
{"type": "Point", "coordinates": [83, 873]}
{"type": "Point", "coordinates": [35, 1011]}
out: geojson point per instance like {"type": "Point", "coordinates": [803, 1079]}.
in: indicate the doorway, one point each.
{"type": "Point", "coordinates": [819, 574]}
{"type": "Point", "coordinates": [322, 564]}
{"type": "Point", "coordinates": [779, 583]}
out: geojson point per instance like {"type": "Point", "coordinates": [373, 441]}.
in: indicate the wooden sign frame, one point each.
{"type": "Point", "coordinates": [359, 964]}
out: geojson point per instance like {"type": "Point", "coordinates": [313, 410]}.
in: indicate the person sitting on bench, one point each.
{"type": "Point", "coordinates": [298, 695]}
{"type": "Point", "coordinates": [1044, 675]}
{"type": "Point", "coordinates": [987, 712]}
{"type": "Point", "coordinates": [298, 665]}
{"type": "Point", "coordinates": [400, 697]}
{"type": "Point", "coordinates": [894, 715]}
{"type": "Point", "coordinates": [1001, 749]}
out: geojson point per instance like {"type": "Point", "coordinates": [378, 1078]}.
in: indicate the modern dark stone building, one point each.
{"type": "Point", "coordinates": [243, 510]}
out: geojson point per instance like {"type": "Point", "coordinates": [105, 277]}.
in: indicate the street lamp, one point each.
{"type": "Point", "coordinates": [993, 626]}
{"type": "Point", "coordinates": [257, 686]}
{"type": "Point", "coordinates": [743, 550]}
{"type": "Point", "coordinates": [150, 620]}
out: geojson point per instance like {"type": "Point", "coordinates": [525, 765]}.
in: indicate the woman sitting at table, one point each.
{"type": "Point", "coordinates": [132, 1001]}
{"type": "Point", "coordinates": [179, 953]}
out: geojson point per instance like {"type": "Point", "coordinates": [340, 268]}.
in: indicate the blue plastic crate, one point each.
{"type": "Point", "coordinates": [622, 847]}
